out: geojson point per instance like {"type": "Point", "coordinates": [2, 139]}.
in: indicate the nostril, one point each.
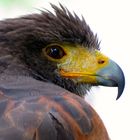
{"type": "Point", "coordinates": [100, 61]}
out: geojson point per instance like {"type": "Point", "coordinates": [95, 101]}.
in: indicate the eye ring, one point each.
{"type": "Point", "coordinates": [54, 51]}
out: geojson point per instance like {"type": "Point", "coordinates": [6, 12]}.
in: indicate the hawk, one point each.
{"type": "Point", "coordinates": [48, 62]}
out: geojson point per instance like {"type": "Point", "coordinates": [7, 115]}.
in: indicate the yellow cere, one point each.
{"type": "Point", "coordinates": [81, 64]}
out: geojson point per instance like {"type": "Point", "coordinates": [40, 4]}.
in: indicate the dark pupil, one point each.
{"type": "Point", "coordinates": [56, 52]}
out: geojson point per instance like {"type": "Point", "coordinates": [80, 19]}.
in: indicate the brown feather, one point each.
{"type": "Point", "coordinates": [44, 111]}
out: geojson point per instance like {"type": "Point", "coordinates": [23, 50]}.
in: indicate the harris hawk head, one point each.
{"type": "Point", "coordinates": [60, 49]}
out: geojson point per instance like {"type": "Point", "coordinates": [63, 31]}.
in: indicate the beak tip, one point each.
{"type": "Point", "coordinates": [121, 87]}
{"type": "Point", "coordinates": [119, 93]}
{"type": "Point", "coordinates": [118, 96]}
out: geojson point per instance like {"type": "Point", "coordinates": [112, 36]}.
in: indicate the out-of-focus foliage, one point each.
{"type": "Point", "coordinates": [20, 3]}
{"type": "Point", "coordinates": [15, 8]}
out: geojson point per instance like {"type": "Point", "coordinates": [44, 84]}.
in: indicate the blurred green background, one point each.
{"type": "Point", "coordinates": [14, 8]}
{"type": "Point", "coordinates": [11, 3]}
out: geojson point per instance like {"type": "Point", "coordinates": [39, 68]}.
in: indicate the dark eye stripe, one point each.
{"type": "Point", "coordinates": [55, 51]}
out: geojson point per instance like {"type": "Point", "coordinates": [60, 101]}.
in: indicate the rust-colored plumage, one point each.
{"type": "Point", "coordinates": [37, 100]}
{"type": "Point", "coordinates": [31, 110]}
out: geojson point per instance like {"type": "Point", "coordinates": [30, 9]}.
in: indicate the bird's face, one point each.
{"type": "Point", "coordinates": [76, 62]}
{"type": "Point", "coordinates": [83, 66]}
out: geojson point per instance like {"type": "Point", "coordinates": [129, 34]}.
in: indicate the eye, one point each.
{"type": "Point", "coordinates": [55, 51]}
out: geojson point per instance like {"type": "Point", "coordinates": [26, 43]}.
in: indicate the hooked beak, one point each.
{"type": "Point", "coordinates": [111, 75]}
{"type": "Point", "coordinates": [94, 68]}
